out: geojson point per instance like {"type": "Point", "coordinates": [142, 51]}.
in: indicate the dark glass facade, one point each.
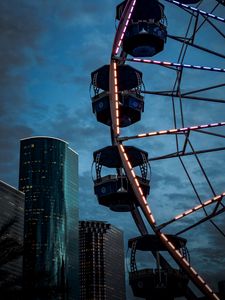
{"type": "Point", "coordinates": [12, 208]}
{"type": "Point", "coordinates": [102, 274]}
{"type": "Point", "coordinates": [49, 178]}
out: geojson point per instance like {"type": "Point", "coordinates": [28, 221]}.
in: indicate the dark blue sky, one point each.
{"type": "Point", "coordinates": [48, 50]}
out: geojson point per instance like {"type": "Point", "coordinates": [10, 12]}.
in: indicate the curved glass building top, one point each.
{"type": "Point", "coordinates": [49, 178]}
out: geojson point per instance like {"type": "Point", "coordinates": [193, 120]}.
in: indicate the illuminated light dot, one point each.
{"type": "Point", "coordinates": [164, 237]}
{"type": "Point", "coordinates": [178, 217]}
{"type": "Point", "coordinates": [194, 127]}
{"type": "Point", "coordinates": [137, 59]}
{"type": "Point", "coordinates": [193, 271]}
{"type": "Point", "coordinates": [156, 62]}
{"type": "Point", "coordinates": [198, 207]}
{"type": "Point", "coordinates": [142, 135]}
{"type": "Point", "coordinates": [214, 124]}
{"type": "Point", "coordinates": [208, 288]}
{"type": "Point", "coordinates": [152, 219]}
{"type": "Point", "coordinates": [117, 50]}
{"type": "Point", "coordinates": [122, 148]}
{"type": "Point", "coordinates": [208, 202]}
{"type": "Point", "coordinates": [198, 67]}
{"type": "Point", "coordinates": [143, 198]}
{"type": "Point", "coordinates": [223, 194]}
{"type": "Point", "coordinates": [185, 128]}
{"type": "Point", "coordinates": [186, 263]}
{"type": "Point", "coordinates": [129, 15]}
{"type": "Point", "coordinates": [132, 172]}
{"type": "Point", "coordinates": [173, 130]}
{"type": "Point", "coordinates": [178, 253]}
{"type": "Point", "coordinates": [129, 165]}
{"type": "Point", "coordinates": [146, 60]}
{"type": "Point", "coordinates": [188, 212]}
{"type": "Point", "coordinates": [140, 190]}
{"type": "Point", "coordinates": [204, 126]}
{"type": "Point", "coordinates": [167, 63]}
{"type": "Point", "coordinates": [125, 155]}
{"type": "Point", "coordinates": [153, 133]}
{"type": "Point", "coordinates": [136, 181]}
{"type": "Point", "coordinates": [217, 198]}
{"type": "Point", "coordinates": [219, 18]}
{"type": "Point", "coordinates": [216, 296]}
{"type": "Point", "coordinates": [187, 66]}
{"type": "Point", "coordinates": [200, 278]}
{"type": "Point", "coordinates": [193, 8]}
{"type": "Point", "coordinates": [117, 122]}
{"type": "Point", "coordinates": [148, 209]}
{"type": "Point", "coordinates": [122, 35]}
{"type": "Point", "coordinates": [207, 68]}
{"type": "Point", "coordinates": [171, 245]}
{"type": "Point", "coordinates": [163, 131]}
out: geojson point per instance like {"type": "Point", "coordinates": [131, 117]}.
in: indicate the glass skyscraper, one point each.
{"type": "Point", "coordinates": [12, 209]}
{"type": "Point", "coordinates": [102, 273]}
{"type": "Point", "coordinates": [49, 178]}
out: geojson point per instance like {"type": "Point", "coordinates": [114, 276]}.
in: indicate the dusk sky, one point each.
{"type": "Point", "coordinates": [48, 50]}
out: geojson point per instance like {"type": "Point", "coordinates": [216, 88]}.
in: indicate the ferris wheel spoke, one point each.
{"type": "Point", "coordinates": [177, 65]}
{"type": "Point", "coordinates": [187, 42]}
{"type": "Point", "coordinates": [205, 18]}
{"type": "Point", "coordinates": [211, 133]}
{"type": "Point", "coordinates": [184, 130]}
{"type": "Point", "coordinates": [216, 199]}
{"type": "Point", "coordinates": [179, 154]}
{"type": "Point", "coordinates": [204, 89]}
{"type": "Point", "coordinates": [207, 218]}
{"type": "Point", "coordinates": [183, 96]}
{"type": "Point", "coordinates": [194, 9]}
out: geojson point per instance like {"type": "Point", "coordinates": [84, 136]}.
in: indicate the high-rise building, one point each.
{"type": "Point", "coordinates": [12, 212]}
{"type": "Point", "coordinates": [102, 274]}
{"type": "Point", "coordinates": [49, 178]}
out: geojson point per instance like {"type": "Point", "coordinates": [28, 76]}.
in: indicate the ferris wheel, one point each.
{"type": "Point", "coordinates": [119, 102]}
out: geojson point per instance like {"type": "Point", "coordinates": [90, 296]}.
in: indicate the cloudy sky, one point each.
{"type": "Point", "coordinates": [48, 50]}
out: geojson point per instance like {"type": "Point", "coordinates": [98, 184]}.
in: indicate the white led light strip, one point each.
{"type": "Point", "coordinates": [194, 209]}
{"type": "Point", "coordinates": [114, 98]}
{"type": "Point", "coordinates": [136, 186]}
{"type": "Point", "coordinates": [177, 65]}
{"type": "Point", "coordinates": [173, 131]}
{"type": "Point", "coordinates": [202, 12]}
{"type": "Point", "coordinates": [124, 21]}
